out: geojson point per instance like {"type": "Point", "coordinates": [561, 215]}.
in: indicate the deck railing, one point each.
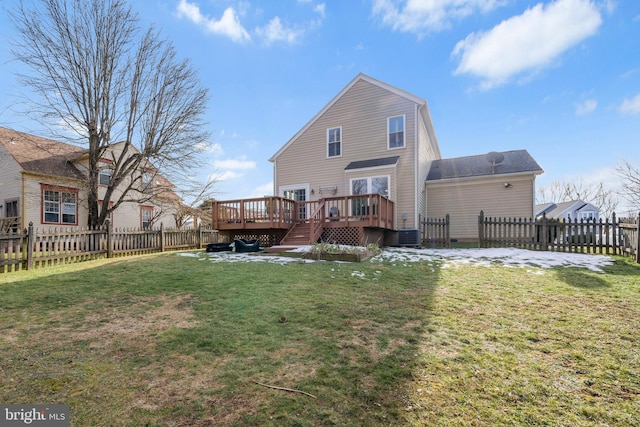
{"type": "Point", "coordinates": [369, 210]}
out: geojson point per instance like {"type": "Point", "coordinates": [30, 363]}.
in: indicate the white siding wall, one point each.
{"type": "Point", "coordinates": [10, 181]}
{"type": "Point", "coordinates": [463, 201]}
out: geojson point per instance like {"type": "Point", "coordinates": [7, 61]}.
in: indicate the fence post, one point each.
{"type": "Point", "coordinates": [481, 230]}
{"type": "Point", "coordinates": [544, 233]}
{"type": "Point", "coordinates": [614, 234]}
{"type": "Point", "coordinates": [199, 237]}
{"type": "Point", "coordinates": [638, 239]}
{"type": "Point", "coordinates": [161, 237]}
{"type": "Point", "coordinates": [447, 234]}
{"type": "Point", "coordinates": [30, 239]}
{"type": "Point", "coordinates": [109, 239]}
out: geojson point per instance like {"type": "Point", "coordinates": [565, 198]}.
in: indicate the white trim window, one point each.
{"type": "Point", "coordinates": [334, 142]}
{"type": "Point", "coordinates": [146, 217]}
{"type": "Point", "coordinates": [371, 185]}
{"type": "Point", "coordinates": [104, 174]}
{"type": "Point", "coordinates": [59, 205]}
{"type": "Point", "coordinates": [395, 132]}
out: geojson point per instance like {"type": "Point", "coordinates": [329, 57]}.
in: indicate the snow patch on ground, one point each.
{"type": "Point", "coordinates": [447, 258]}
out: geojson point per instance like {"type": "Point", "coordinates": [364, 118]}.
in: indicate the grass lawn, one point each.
{"type": "Point", "coordinates": [179, 340]}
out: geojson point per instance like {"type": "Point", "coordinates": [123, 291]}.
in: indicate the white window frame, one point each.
{"type": "Point", "coordinates": [60, 207]}
{"type": "Point", "coordinates": [330, 142]}
{"type": "Point", "coordinates": [369, 179]}
{"type": "Point", "coordinates": [143, 210]}
{"type": "Point", "coordinates": [404, 132]}
{"type": "Point", "coordinates": [104, 173]}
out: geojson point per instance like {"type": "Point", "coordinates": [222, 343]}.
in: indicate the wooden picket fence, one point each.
{"type": "Point", "coordinates": [612, 237]}
{"type": "Point", "coordinates": [435, 232]}
{"type": "Point", "coordinates": [38, 248]}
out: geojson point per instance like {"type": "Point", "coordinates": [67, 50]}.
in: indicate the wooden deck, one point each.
{"type": "Point", "coordinates": [329, 217]}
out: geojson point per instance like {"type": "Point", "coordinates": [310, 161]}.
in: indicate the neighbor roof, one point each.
{"type": "Point", "coordinates": [41, 155]}
{"type": "Point", "coordinates": [494, 163]}
{"type": "Point", "coordinates": [361, 164]}
{"type": "Point", "coordinates": [556, 210]}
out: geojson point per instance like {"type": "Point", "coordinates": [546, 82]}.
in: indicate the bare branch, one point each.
{"type": "Point", "coordinates": [119, 91]}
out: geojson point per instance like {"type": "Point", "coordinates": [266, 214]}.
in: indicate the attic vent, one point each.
{"type": "Point", "coordinates": [495, 159]}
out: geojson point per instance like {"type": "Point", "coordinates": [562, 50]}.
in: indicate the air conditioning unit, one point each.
{"type": "Point", "coordinates": [409, 237]}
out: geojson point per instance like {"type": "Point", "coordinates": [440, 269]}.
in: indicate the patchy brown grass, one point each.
{"type": "Point", "coordinates": [169, 341]}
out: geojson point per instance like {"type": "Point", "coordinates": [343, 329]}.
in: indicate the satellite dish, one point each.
{"type": "Point", "coordinates": [494, 158]}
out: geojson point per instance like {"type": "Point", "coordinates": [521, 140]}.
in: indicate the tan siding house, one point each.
{"type": "Point", "coordinates": [370, 138]}
{"type": "Point", "coordinates": [44, 182]}
{"type": "Point", "coordinates": [373, 138]}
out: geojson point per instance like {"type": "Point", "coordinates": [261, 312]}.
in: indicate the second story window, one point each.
{"type": "Point", "coordinates": [104, 176]}
{"type": "Point", "coordinates": [395, 126]}
{"type": "Point", "coordinates": [147, 182]}
{"type": "Point", "coordinates": [334, 142]}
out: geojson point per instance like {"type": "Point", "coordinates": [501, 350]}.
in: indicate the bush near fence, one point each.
{"type": "Point", "coordinates": [611, 236]}
{"type": "Point", "coordinates": [37, 248]}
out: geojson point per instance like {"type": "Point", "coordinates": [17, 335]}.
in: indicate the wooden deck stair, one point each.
{"type": "Point", "coordinates": [299, 235]}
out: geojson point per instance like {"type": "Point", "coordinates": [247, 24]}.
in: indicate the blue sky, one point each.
{"type": "Point", "coordinates": [560, 78]}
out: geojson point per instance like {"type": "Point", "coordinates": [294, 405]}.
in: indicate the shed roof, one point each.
{"type": "Point", "coordinates": [494, 163]}
{"type": "Point", "coordinates": [361, 164]}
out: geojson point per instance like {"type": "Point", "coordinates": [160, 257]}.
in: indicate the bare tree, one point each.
{"type": "Point", "coordinates": [107, 82]}
{"type": "Point", "coordinates": [199, 207]}
{"type": "Point", "coordinates": [630, 176]}
{"type": "Point", "coordinates": [596, 194]}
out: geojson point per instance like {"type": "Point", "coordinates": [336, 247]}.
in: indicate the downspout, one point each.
{"type": "Point", "coordinates": [275, 174]}
{"type": "Point", "coordinates": [23, 202]}
{"type": "Point", "coordinates": [415, 167]}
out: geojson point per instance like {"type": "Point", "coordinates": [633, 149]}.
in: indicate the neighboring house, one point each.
{"type": "Point", "coordinates": [500, 184]}
{"type": "Point", "coordinates": [568, 211]}
{"type": "Point", "coordinates": [375, 138]}
{"type": "Point", "coordinates": [44, 182]}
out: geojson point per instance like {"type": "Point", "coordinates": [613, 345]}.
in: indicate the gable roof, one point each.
{"type": "Point", "coordinates": [40, 155]}
{"type": "Point", "coordinates": [494, 163]}
{"type": "Point", "coordinates": [359, 77]}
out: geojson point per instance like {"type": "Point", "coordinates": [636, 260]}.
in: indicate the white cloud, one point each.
{"type": "Point", "coordinates": [205, 147]}
{"type": "Point", "coordinates": [527, 42]}
{"type": "Point", "coordinates": [227, 175]}
{"type": "Point", "coordinates": [274, 31]}
{"type": "Point", "coordinates": [630, 106]}
{"type": "Point", "coordinates": [264, 190]}
{"type": "Point", "coordinates": [320, 9]}
{"type": "Point", "coordinates": [228, 25]}
{"type": "Point", "coordinates": [229, 164]}
{"type": "Point", "coordinates": [586, 107]}
{"type": "Point", "coordinates": [422, 16]}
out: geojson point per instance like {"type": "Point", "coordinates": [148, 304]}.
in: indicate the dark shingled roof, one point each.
{"type": "Point", "coordinates": [41, 155]}
{"type": "Point", "coordinates": [385, 161]}
{"type": "Point", "coordinates": [506, 162]}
